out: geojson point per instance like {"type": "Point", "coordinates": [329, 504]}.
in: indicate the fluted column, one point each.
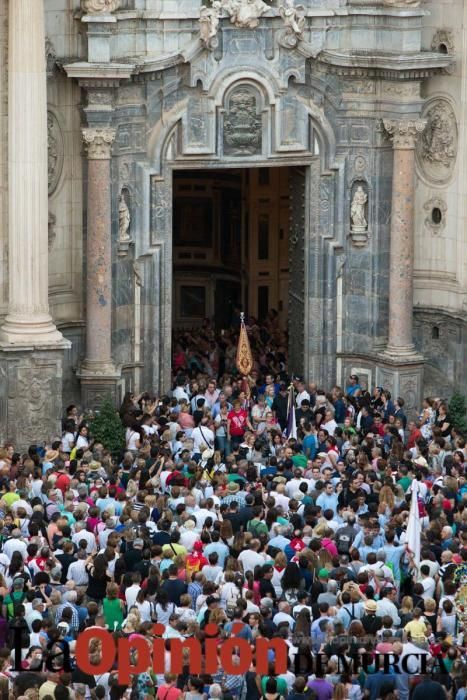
{"type": "Point", "coordinates": [404, 134]}
{"type": "Point", "coordinates": [28, 321]}
{"type": "Point", "coordinates": [98, 142]}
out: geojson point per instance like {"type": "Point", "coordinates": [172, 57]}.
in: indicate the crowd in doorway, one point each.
{"type": "Point", "coordinates": [213, 515]}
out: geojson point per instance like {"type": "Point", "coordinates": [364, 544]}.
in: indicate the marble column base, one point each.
{"type": "Point", "coordinates": [99, 382]}
{"type": "Point", "coordinates": [31, 330]}
{"type": "Point", "coordinates": [402, 375]}
{"type": "Point", "coordinates": [30, 394]}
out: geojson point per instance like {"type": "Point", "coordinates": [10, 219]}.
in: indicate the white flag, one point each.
{"type": "Point", "coordinates": [414, 528]}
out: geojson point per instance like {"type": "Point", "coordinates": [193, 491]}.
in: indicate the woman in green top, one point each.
{"type": "Point", "coordinates": [113, 608]}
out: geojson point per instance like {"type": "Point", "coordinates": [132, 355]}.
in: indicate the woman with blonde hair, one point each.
{"type": "Point", "coordinates": [324, 559]}
{"type": "Point", "coordinates": [406, 610]}
{"type": "Point", "coordinates": [386, 498]}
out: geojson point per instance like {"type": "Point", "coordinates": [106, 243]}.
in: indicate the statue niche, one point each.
{"type": "Point", "coordinates": [242, 123]}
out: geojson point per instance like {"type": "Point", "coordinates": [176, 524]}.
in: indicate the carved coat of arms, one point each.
{"type": "Point", "coordinates": [242, 124]}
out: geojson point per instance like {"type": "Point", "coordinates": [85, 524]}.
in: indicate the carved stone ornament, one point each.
{"type": "Point", "coordinates": [436, 152]}
{"type": "Point", "coordinates": [404, 133]}
{"type": "Point", "coordinates": [436, 217]}
{"type": "Point", "coordinates": [443, 37]}
{"type": "Point", "coordinates": [99, 7]}
{"type": "Point", "coordinates": [50, 57]}
{"type": "Point", "coordinates": [401, 3]}
{"type": "Point", "coordinates": [242, 123]}
{"type": "Point", "coordinates": [244, 13]}
{"type": "Point", "coordinates": [52, 232]}
{"type": "Point", "coordinates": [55, 152]}
{"type": "Point", "coordinates": [209, 18]}
{"type": "Point", "coordinates": [99, 142]}
{"type": "Point", "coordinates": [294, 20]}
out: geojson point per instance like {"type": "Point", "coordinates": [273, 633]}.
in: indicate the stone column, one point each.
{"type": "Point", "coordinates": [28, 322]}
{"type": "Point", "coordinates": [404, 135]}
{"type": "Point", "coordinates": [98, 373]}
{"type": "Point", "coordinates": [98, 252]}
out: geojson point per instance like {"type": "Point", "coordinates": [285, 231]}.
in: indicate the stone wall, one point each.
{"type": "Point", "coordinates": [3, 158]}
{"type": "Point", "coordinates": [440, 295]}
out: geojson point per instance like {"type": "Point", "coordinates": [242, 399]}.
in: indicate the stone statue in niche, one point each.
{"type": "Point", "coordinates": [294, 17]}
{"type": "Point", "coordinates": [209, 19]}
{"type": "Point", "coordinates": [357, 209]}
{"type": "Point", "coordinates": [359, 226]}
{"type": "Point", "coordinates": [242, 124]}
{"type": "Point", "coordinates": [123, 219]}
{"type": "Point", "coordinates": [245, 13]}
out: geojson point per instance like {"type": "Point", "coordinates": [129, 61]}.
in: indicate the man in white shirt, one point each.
{"type": "Point", "coordinates": [77, 571]}
{"type": "Point", "coordinates": [202, 435]}
{"type": "Point", "coordinates": [329, 423]}
{"type": "Point", "coordinates": [81, 533]}
{"type": "Point", "coordinates": [385, 605]}
{"type": "Point", "coordinates": [428, 583]}
{"type": "Point", "coordinates": [284, 615]}
{"type": "Point", "coordinates": [132, 591]}
{"type": "Point", "coordinates": [302, 394]}
{"type": "Point", "coordinates": [15, 544]}
{"type": "Point", "coordinates": [189, 535]}
{"type": "Point", "coordinates": [250, 558]}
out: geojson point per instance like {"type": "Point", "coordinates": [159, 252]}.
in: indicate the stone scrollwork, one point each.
{"type": "Point", "coordinates": [55, 151]}
{"type": "Point", "coordinates": [242, 123]}
{"type": "Point", "coordinates": [99, 7]}
{"type": "Point", "coordinates": [244, 13]}
{"type": "Point", "coordinates": [436, 152]}
{"type": "Point", "coordinates": [99, 142]}
{"type": "Point", "coordinates": [404, 133]}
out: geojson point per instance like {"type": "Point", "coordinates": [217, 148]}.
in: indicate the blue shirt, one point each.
{"type": "Point", "coordinates": [219, 548]}
{"type": "Point", "coordinates": [310, 446]}
{"type": "Point", "coordinates": [326, 501]}
{"type": "Point", "coordinates": [350, 390]}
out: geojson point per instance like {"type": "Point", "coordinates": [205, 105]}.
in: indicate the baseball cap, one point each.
{"type": "Point", "coordinates": [323, 573]}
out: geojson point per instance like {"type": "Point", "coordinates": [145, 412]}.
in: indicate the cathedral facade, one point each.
{"type": "Point", "coordinates": [163, 160]}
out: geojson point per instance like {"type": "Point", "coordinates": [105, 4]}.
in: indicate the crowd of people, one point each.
{"type": "Point", "coordinates": [211, 514]}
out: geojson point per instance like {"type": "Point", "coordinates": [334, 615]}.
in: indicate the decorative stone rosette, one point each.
{"type": "Point", "coordinates": [99, 7]}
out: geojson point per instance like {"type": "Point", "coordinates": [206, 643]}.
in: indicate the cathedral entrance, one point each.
{"type": "Point", "coordinates": [231, 245]}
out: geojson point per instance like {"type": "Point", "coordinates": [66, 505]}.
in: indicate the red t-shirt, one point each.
{"type": "Point", "coordinates": [238, 421]}
{"type": "Point", "coordinates": [63, 483]}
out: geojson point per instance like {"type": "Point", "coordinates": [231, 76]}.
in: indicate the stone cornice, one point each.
{"type": "Point", "coordinates": [404, 132]}
{"type": "Point", "coordinates": [385, 65]}
{"type": "Point", "coordinates": [99, 71]}
{"type": "Point", "coordinates": [98, 142]}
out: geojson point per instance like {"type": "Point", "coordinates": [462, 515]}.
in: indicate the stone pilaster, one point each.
{"type": "Point", "coordinates": [404, 135]}
{"type": "Point", "coordinates": [28, 321]}
{"type": "Point", "coordinates": [98, 373]}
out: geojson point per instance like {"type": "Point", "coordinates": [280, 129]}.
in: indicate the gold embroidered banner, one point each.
{"type": "Point", "coordinates": [244, 360]}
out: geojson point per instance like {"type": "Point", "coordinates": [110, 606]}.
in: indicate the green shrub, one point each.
{"type": "Point", "coordinates": [458, 412]}
{"type": "Point", "coordinates": [106, 427]}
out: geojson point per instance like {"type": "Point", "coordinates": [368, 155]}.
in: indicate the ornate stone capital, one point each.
{"type": "Point", "coordinates": [99, 142]}
{"type": "Point", "coordinates": [404, 133]}
{"type": "Point", "coordinates": [99, 7]}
